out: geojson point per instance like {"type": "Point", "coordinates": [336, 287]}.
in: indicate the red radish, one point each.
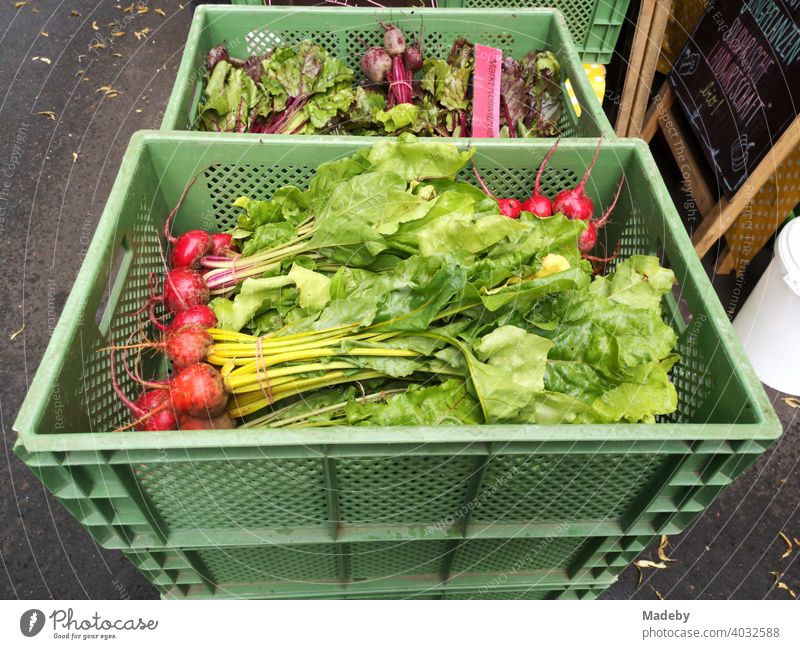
{"type": "Point", "coordinates": [509, 207]}
{"type": "Point", "coordinates": [184, 347]}
{"type": "Point", "coordinates": [187, 345]}
{"type": "Point", "coordinates": [198, 391]}
{"type": "Point", "coordinates": [168, 223]}
{"type": "Point", "coordinates": [188, 248]}
{"type": "Point", "coordinates": [220, 422]}
{"type": "Point", "coordinates": [152, 410]}
{"type": "Point", "coordinates": [375, 64]}
{"type": "Point", "coordinates": [538, 204]}
{"type": "Point", "coordinates": [161, 416]}
{"type": "Point", "coordinates": [588, 238]}
{"type": "Point", "coordinates": [198, 314]}
{"type": "Point", "coordinates": [184, 288]}
{"type": "Point", "coordinates": [574, 203]}
{"type": "Point", "coordinates": [221, 244]}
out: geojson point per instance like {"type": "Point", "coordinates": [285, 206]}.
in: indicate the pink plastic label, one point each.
{"type": "Point", "coordinates": [486, 92]}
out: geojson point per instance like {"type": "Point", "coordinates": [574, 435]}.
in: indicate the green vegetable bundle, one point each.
{"type": "Point", "coordinates": [305, 90]}
{"type": "Point", "coordinates": [530, 97]}
{"type": "Point", "coordinates": [388, 292]}
{"type": "Point", "coordinates": [290, 90]}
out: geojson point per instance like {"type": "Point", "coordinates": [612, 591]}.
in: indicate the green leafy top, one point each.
{"type": "Point", "coordinates": [441, 288]}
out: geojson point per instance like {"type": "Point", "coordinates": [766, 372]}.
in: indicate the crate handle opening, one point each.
{"type": "Point", "coordinates": [112, 291]}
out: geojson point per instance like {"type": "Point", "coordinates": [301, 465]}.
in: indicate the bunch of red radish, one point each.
{"type": "Point", "coordinates": [573, 203]}
{"type": "Point", "coordinates": [195, 397]}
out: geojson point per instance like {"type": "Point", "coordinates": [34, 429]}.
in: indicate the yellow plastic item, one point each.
{"type": "Point", "coordinates": [597, 79]}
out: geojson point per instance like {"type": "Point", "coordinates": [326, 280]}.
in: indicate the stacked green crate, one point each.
{"type": "Point", "coordinates": [347, 33]}
{"type": "Point", "coordinates": [362, 511]}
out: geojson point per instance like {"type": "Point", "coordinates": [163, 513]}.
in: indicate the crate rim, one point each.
{"type": "Point", "coordinates": [571, 61]}
{"type": "Point", "coordinates": [766, 427]}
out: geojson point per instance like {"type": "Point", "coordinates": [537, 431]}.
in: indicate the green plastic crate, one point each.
{"type": "Point", "coordinates": [594, 24]}
{"type": "Point", "coordinates": [333, 486]}
{"type": "Point", "coordinates": [346, 33]}
{"type": "Point", "coordinates": [529, 568]}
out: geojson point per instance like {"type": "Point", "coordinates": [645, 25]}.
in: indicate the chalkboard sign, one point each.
{"type": "Point", "coordinates": [738, 82]}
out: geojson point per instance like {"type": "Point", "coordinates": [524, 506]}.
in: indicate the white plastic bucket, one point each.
{"type": "Point", "coordinates": [769, 321]}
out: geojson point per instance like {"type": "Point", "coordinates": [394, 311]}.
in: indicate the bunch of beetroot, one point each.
{"type": "Point", "coordinates": [194, 398]}
{"type": "Point", "coordinates": [573, 203]}
{"type": "Point", "coordinates": [395, 63]}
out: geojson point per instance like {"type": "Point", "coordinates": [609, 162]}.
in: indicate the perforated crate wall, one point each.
{"type": "Point", "coordinates": [535, 568]}
{"type": "Point", "coordinates": [481, 497]}
{"type": "Point", "coordinates": [346, 33]}
{"type": "Point", "coordinates": [594, 25]}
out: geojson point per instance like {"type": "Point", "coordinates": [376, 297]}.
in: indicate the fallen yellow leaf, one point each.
{"type": "Point", "coordinates": [20, 5]}
{"type": "Point", "coordinates": [45, 34]}
{"type": "Point", "coordinates": [98, 46]}
{"type": "Point", "coordinates": [645, 563]}
{"type": "Point", "coordinates": [662, 548]}
{"type": "Point", "coordinates": [658, 595]}
{"type": "Point", "coordinates": [143, 9]}
{"type": "Point", "coordinates": [74, 13]}
{"type": "Point", "coordinates": [117, 55]}
{"type": "Point", "coordinates": [117, 34]}
{"type": "Point", "coordinates": [160, 12]}
{"type": "Point", "coordinates": [142, 34]}
{"type": "Point", "coordinates": [17, 332]}
{"type": "Point", "coordinates": [108, 91]}
{"type": "Point", "coordinates": [94, 26]}
{"type": "Point", "coordinates": [74, 157]}
{"type": "Point", "coordinates": [786, 587]}
{"type": "Point", "coordinates": [792, 402]}
{"type": "Point", "coordinates": [48, 113]}
{"type": "Point", "coordinates": [789, 546]}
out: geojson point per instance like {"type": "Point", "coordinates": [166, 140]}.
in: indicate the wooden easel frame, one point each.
{"type": "Point", "coordinates": [642, 61]}
{"type": "Point", "coordinates": [717, 216]}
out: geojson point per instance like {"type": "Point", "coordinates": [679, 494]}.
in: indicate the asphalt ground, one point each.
{"type": "Point", "coordinates": [71, 95]}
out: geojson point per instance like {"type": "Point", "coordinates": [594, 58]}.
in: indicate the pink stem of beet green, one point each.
{"type": "Point", "coordinates": [602, 220]}
{"type": "Point", "coordinates": [295, 106]}
{"type": "Point", "coordinates": [486, 190]}
{"type": "Point", "coordinates": [582, 183]}
{"type": "Point", "coordinates": [138, 412]}
{"type": "Point", "coordinates": [168, 224]}
{"type": "Point", "coordinates": [537, 184]}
